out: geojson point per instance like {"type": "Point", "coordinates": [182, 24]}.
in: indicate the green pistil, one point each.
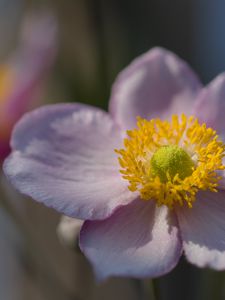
{"type": "Point", "coordinates": [171, 160]}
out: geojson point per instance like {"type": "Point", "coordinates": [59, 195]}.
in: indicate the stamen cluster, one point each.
{"type": "Point", "coordinates": [200, 143]}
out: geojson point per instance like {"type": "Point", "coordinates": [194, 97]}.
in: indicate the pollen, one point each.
{"type": "Point", "coordinates": [169, 162]}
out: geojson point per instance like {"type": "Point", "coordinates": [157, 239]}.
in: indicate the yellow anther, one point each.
{"type": "Point", "coordinates": [169, 162]}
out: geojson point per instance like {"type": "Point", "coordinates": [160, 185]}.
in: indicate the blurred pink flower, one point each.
{"type": "Point", "coordinates": [24, 72]}
{"type": "Point", "coordinates": [158, 199]}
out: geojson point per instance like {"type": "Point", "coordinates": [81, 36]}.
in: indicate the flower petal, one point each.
{"type": "Point", "coordinates": [68, 231]}
{"type": "Point", "coordinates": [24, 72]}
{"type": "Point", "coordinates": [138, 240]}
{"type": "Point", "coordinates": [26, 69]}
{"type": "Point", "coordinates": [203, 230]}
{"type": "Point", "coordinates": [154, 83]}
{"type": "Point", "coordinates": [4, 148]}
{"type": "Point", "coordinates": [210, 105]}
{"type": "Point", "coordinates": [64, 157]}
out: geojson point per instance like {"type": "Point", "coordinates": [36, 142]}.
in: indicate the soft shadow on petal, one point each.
{"type": "Point", "coordinates": [203, 230]}
{"type": "Point", "coordinates": [139, 240]}
{"type": "Point", "coordinates": [210, 105]}
{"type": "Point", "coordinates": [222, 182]}
{"type": "Point", "coordinates": [63, 155]}
{"type": "Point", "coordinates": [156, 84]}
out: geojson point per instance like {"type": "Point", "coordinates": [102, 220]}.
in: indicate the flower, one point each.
{"type": "Point", "coordinates": [23, 73]}
{"type": "Point", "coordinates": [147, 178]}
{"type": "Point", "coordinates": [68, 231]}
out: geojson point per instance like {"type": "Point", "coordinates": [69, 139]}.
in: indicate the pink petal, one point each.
{"type": "Point", "coordinates": [63, 156]}
{"type": "Point", "coordinates": [29, 65]}
{"type": "Point", "coordinates": [203, 230]}
{"type": "Point", "coordinates": [151, 85]}
{"type": "Point", "coordinates": [4, 148]}
{"type": "Point", "coordinates": [210, 105]}
{"type": "Point", "coordinates": [138, 240]}
{"type": "Point", "coordinates": [25, 72]}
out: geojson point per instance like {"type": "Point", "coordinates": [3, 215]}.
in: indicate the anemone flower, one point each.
{"type": "Point", "coordinates": [147, 177]}
{"type": "Point", "coordinates": [23, 73]}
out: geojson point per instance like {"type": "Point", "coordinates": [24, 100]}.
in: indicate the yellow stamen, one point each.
{"type": "Point", "coordinates": [169, 162]}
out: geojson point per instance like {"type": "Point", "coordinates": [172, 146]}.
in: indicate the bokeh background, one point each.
{"type": "Point", "coordinates": [95, 39]}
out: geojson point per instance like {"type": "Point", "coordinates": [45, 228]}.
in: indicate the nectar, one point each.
{"type": "Point", "coordinates": [169, 162]}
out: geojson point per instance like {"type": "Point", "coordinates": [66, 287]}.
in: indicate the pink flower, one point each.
{"type": "Point", "coordinates": [22, 75]}
{"type": "Point", "coordinates": [164, 195]}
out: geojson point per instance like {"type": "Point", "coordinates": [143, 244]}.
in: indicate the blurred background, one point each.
{"type": "Point", "coordinates": [67, 51]}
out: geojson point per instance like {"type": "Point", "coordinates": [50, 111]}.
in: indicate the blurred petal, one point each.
{"type": "Point", "coordinates": [64, 157]}
{"type": "Point", "coordinates": [22, 76]}
{"type": "Point", "coordinates": [203, 230]}
{"type": "Point", "coordinates": [4, 148]}
{"type": "Point", "coordinates": [68, 231]}
{"type": "Point", "coordinates": [210, 105]}
{"type": "Point", "coordinates": [30, 62]}
{"type": "Point", "coordinates": [138, 240]}
{"type": "Point", "coordinates": [156, 84]}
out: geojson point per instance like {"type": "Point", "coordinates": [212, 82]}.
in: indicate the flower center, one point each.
{"type": "Point", "coordinates": [169, 162]}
